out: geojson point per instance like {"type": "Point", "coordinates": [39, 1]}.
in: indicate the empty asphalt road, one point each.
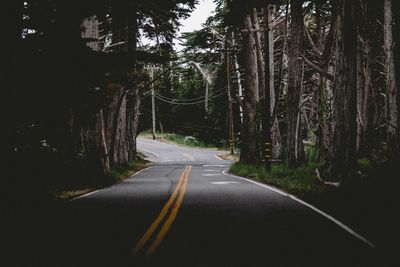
{"type": "Point", "coordinates": [186, 210]}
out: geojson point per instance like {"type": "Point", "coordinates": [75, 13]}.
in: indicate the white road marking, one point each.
{"type": "Point", "coordinates": [148, 151]}
{"type": "Point", "coordinates": [142, 170]}
{"type": "Point", "coordinates": [210, 170]}
{"type": "Point", "coordinates": [191, 158]}
{"type": "Point", "coordinates": [211, 174]}
{"type": "Point", "coordinates": [85, 195]}
{"type": "Point", "coordinates": [329, 217]}
{"type": "Point", "coordinates": [224, 182]}
{"type": "Point", "coordinates": [215, 155]}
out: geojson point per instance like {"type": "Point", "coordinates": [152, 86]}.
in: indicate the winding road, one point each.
{"type": "Point", "coordinates": [187, 210]}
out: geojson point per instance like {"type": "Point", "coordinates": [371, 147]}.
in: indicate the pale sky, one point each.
{"type": "Point", "coordinates": [203, 10]}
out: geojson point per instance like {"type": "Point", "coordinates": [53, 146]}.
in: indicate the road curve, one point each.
{"type": "Point", "coordinates": [185, 210]}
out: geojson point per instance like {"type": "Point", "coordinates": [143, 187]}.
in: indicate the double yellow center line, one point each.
{"type": "Point", "coordinates": [177, 195]}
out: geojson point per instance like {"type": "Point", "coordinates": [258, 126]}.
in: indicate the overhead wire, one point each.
{"type": "Point", "coordinates": [188, 103]}
{"type": "Point", "coordinates": [190, 99]}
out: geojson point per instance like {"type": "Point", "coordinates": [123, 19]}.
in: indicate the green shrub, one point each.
{"type": "Point", "coordinates": [300, 181]}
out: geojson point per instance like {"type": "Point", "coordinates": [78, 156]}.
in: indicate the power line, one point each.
{"type": "Point", "coordinates": [187, 103]}
{"type": "Point", "coordinates": [189, 99]}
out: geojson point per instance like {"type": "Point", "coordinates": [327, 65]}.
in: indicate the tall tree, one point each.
{"type": "Point", "coordinates": [390, 73]}
{"type": "Point", "coordinates": [250, 152]}
{"type": "Point", "coordinates": [344, 127]}
{"type": "Point", "coordinates": [294, 148]}
{"type": "Point", "coordinates": [133, 97]}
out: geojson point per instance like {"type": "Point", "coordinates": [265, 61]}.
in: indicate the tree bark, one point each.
{"type": "Point", "coordinates": [133, 105]}
{"type": "Point", "coordinates": [344, 126]}
{"type": "Point", "coordinates": [277, 129]}
{"type": "Point", "coordinates": [260, 57]}
{"type": "Point", "coordinates": [121, 120]}
{"type": "Point", "coordinates": [270, 71]}
{"type": "Point", "coordinates": [133, 100]}
{"type": "Point", "coordinates": [92, 130]}
{"type": "Point", "coordinates": [263, 90]}
{"type": "Point", "coordinates": [325, 44]}
{"type": "Point", "coordinates": [390, 74]}
{"type": "Point", "coordinates": [250, 153]}
{"type": "Point", "coordinates": [294, 148]}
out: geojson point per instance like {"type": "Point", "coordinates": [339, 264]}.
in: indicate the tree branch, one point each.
{"type": "Point", "coordinates": [311, 41]}
{"type": "Point", "coordinates": [319, 69]}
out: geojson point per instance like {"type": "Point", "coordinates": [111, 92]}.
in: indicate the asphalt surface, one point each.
{"type": "Point", "coordinates": [186, 210]}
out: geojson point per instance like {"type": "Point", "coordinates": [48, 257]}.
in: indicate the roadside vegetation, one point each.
{"type": "Point", "coordinates": [181, 139]}
{"type": "Point", "coordinates": [301, 181]}
{"type": "Point", "coordinates": [306, 181]}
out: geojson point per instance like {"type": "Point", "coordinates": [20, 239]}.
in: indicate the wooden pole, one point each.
{"type": "Point", "coordinates": [230, 110]}
{"type": "Point", "coordinates": [153, 107]}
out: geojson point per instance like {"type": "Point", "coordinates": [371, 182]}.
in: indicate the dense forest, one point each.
{"type": "Point", "coordinates": [288, 80]}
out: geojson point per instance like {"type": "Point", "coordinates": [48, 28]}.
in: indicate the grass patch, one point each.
{"type": "Point", "coordinates": [118, 172]}
{"type": "Point", "coordinates": [70, 194]}
{"type": "Point", "coordinates": [365, 166]}
{"type": "Point", "coordinates": [300, 181]}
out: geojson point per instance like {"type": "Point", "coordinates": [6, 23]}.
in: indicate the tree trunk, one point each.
{"type": "Point", "coordinates": [264, 92]}
{"type": "Point", "coordinates": [364, 101]}
{"type": "Point", "coordinates": [133, 105]}
{"type": "Point", "coordinates": [268, 99]}
{"type": "Point", "coordinates": [260, 57]}
{"type": "Point", "coordinates": [269, 41]}
{"type": "Point", "coordinates": [238, 79]}
{"type": "Point", "coordinates": [369, 49]}
{"type": "Point", "coordinates": [93, 146]}
{"type": "Point", "coordinates": [119, 150]}
{"type": "Point", "coordinates": [115, 123]}
{"type": "Point", "coordinates": [344, 126]}
{"type": "Point", "coordinates": [133, 101]}
{"type": "Point", "coordinates": [92, 130]}
{"type": "Point", "coordinates": [294, 148]}
{"type": "Point", "coordinates": [250, 152]}
{"type": "Point", "coordinates": [323, 132]}
{"type": "Point", "coordinates": [121, 119]}
{"type": "Point", "coordinates": [322, 110]}
{"type": "Point", "coordinates": [390, 74]}
{"type": "Point", "coordinates": [277, 128]}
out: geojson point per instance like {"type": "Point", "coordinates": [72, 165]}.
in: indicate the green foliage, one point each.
{"type": "Point", "coordinates": [300, 181]}
{"type": "Point", "coordinates": [312, 153]}
{"type": "Point", "coordinates": [364, 165]}
{"type": "Point", "coordinates": [118, 172]}
{"type": "Point", "coordinates": [182, 140]}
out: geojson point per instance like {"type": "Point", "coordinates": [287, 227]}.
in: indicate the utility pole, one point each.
{"type": "Point", "coordinates": [206, 99]}
{"type": "Point", "coordinates": [230, 111]}
{"type": "Point", "coordinates": [153, 106]}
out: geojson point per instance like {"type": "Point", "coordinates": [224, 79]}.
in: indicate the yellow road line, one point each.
{"type": "Point", "coordinates": [160, 217]}
{"type": "Point", "coordinates": [171, 217]}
